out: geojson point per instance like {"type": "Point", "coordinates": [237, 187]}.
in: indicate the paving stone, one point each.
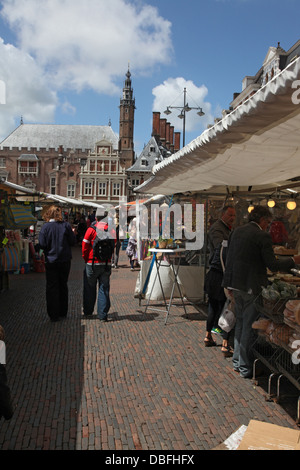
{"type": "Point", "coordinates": [133, 383]}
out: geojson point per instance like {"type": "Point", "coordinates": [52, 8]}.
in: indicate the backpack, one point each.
{"type": "Point", "coordinates": [103, 246]}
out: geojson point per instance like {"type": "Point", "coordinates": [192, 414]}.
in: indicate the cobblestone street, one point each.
{"type": "Point", "coordinates": [132, 383]}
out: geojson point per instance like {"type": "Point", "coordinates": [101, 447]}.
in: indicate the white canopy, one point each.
{"type": "Point", "coordinates": [256, 144]}
{"type": "Point", "coordinates": [51, 197]}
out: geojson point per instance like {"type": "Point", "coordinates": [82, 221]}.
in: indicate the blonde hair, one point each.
{"type": "Point", "coordinates": [53, 212]}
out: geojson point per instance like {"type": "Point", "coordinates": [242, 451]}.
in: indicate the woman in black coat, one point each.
{"type": "Point", "coordinates": [56, 239]}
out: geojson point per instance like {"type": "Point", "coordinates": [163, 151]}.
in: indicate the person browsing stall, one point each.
{"type": "Point", "coordinates": [218, 232]}
{"type": "Point", "coordinates": [250, 253]}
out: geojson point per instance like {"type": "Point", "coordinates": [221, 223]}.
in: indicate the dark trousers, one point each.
{"type": "Point", "coordinates": [57, 275]}
{"type": "Point", "coordinates": [115, 256]}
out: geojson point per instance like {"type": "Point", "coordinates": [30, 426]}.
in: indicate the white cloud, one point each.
{"type": "Point", "coordinates": [171, 93]}
{"type": "Point", "coordinates": [26, 90]}
{"type": "Point", "coordinates": [88, 44]}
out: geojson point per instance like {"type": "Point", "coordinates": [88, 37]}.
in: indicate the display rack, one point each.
{"type": "Point", "coordinates": [275, 353]}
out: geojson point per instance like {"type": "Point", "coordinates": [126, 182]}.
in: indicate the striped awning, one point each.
{"type": "Point", "coordinates": [17, 216]}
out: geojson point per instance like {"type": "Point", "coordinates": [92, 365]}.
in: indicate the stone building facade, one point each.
{"type": "Point", "coordinates": [83, 162]}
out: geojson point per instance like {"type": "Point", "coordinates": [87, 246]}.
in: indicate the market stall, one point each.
{"type": "Point", "coordinates": [252, 156]}
{"type": "Point", "coordinates": [15, 218]}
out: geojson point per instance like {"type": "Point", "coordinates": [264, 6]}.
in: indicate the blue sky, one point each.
{"type": "Point", "coordinates": [64, 61]}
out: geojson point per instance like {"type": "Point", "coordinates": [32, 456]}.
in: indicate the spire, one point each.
{"type": "Point", "coordinates": [127, 90]}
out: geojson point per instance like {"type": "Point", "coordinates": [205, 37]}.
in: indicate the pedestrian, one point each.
{"type": "Point", "coordinates": [115, 258]}
{"type": "Point", "coordinates": [56, 239]}
{"type": "Point", "coordinates": [250, 253]}
{"type": "Point", "coordinates": [131, 249]}
{"type": "Point", "coordinates": [219, 232]}
{"type": "Point", "coordinates": [97, 272]}
{"type": "Point", "coordinates": [6, 405]}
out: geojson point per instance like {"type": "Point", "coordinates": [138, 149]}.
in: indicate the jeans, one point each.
{"type": "Point", "coordinates": [246, 314]}
{"type": "Point", "coordinates": [92, 275]}
{"type": "Point", "coordinates": [57, 275]}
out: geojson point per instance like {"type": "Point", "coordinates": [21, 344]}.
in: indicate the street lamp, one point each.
{"type": "Point", "coordinates": [183, 110]}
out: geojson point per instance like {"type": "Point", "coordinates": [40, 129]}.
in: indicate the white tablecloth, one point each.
{"type": "Point", "coordinates": [190, 278]}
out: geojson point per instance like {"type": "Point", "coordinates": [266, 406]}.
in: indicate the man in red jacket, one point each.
{"type": "Point", "coordinates": [96, 271]}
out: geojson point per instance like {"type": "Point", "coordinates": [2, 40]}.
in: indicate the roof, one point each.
{"type": "Point", "coordinates": [151, 156]}
{"type": "Point", "coordinates": [256, 144]}
{"type": "Point", "coordinates": [53, 135]}
{"type": "Point", "coordinates": [28, 157]}
{"type": "Point", "coordinates": [147, 154]}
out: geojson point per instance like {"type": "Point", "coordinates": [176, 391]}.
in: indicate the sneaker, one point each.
{"type": "Point", "coordinates": [217, 331]}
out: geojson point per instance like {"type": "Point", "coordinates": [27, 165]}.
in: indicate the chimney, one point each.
{"type": "Point", "coordinates": [172, 136]}
{"type": "Point", "coordinates": [156, 125]}
{"type": "Point", "coordinates": [177, 141]}
{"type": "Point", "coordinates": [163, 131]}
{"type": "Point", "coordinates": [168, 140]}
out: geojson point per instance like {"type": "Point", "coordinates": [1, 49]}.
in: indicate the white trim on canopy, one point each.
{"type": "Point", "coordinates": [256, 144]}
{"type": "Point", "coordinates": [51, 197]}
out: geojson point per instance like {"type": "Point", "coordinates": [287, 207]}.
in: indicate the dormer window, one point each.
{"type": "Point", "coordinates": [144, 162]}
{"type": "Point", "coordinates": [28, 164]}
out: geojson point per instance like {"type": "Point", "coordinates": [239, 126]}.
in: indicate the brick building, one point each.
{"type": "Point", "coordinates": [85, 162]}
{"type": "Point", "coordinates": [275, 61]}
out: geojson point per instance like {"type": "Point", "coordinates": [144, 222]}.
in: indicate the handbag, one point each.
{"type": "Point", "coordinates": [227, 318]}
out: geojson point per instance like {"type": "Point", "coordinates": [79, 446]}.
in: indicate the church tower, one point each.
{"type": "Point", "coordinates": [127, 108]}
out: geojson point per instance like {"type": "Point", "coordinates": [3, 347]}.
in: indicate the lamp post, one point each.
{"type": "Point", "coordinates": [183, 110]}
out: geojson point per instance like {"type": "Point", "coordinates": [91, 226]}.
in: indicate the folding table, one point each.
{"type": "Point", "coordinates": [173, 257]}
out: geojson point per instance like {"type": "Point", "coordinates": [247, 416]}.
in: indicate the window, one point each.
{"type": "Point", "coordinates": [135, 183]}
{"type": "Point", "coordinates": [52, 185]}
{"type": "Point", "coordinates": [102, 189]}
{"type": "Point", "coordinates": [88, 187]}
{"type": "Point", "coordinates": [144, 162]}
{"type": "Point", "coordinates": [116, 189]}
{"type": "Point", "coordinates": [28, 167]}
{"type": "Point", "coordinates": [2, 163]}
{"type": "Point", "coordinates": [71, 190]}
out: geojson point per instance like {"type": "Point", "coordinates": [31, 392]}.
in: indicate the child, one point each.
{"type": "Point", "coordinates": [6, 407]}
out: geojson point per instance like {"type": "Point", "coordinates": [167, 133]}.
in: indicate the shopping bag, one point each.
{"type": "Point", "coordinates": [10, 259]}
{"type": "Point", "coordinates": [227, 318]}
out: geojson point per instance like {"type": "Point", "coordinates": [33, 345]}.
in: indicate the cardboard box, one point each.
{"type": "Point", "coordinates": [266, 436]}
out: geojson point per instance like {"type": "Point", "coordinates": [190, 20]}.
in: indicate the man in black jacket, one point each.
{"type": "Point", "coordinates": [249, 255]}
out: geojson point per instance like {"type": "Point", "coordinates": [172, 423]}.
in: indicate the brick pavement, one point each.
{"type": "Point", "coordinates": [129, 384]}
